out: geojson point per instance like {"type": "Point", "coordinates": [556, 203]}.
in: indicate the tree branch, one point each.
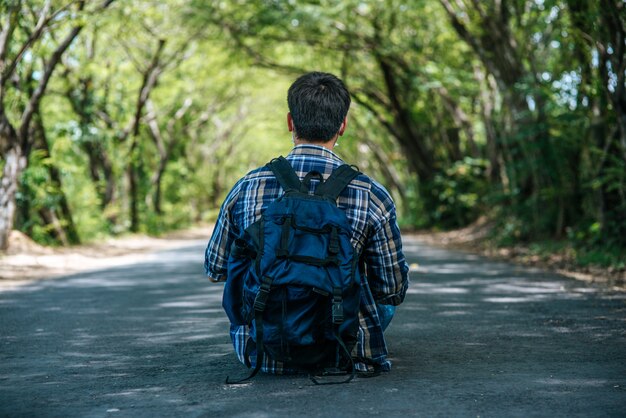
{"type": "Point", "coordinates": [378, 116]}
{"type": "Point", "coordinates": [55, 58]}
{"type": "Point", "coordinates": [33, 103]}
{"type": "Point", "coordinates": [155, 130]}
{"type": "Point", "coordinates": [41, 25]}
{"type": "Point", "coordinates": [150, 77]}
{"type": "Point", "coordinates": [180, 113]}
{"type": "Point", "coordinates": [5, 35]}
{"type": "Point", "coordinates": [130, 56]}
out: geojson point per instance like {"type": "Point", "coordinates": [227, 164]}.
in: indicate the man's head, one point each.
{"type": "Point", "coordinates": [318, 106]}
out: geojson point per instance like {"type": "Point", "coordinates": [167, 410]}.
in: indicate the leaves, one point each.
{"type": "Point", "coordinates": [459, 107]}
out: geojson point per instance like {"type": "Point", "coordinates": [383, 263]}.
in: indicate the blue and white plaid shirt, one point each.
{"type": "Point", "coordinates": [372, 215]}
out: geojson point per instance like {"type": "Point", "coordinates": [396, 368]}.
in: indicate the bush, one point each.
{"type": "Point", "coordinates": [459, 193]}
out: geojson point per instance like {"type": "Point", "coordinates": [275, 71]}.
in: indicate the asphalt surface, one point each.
{"type": "Point", "coordinates": [474, 338]}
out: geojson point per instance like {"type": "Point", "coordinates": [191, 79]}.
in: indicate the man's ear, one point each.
{"type": "Point", "coordinates": [344, 124]}
{"type": "Point", "coordinates": [289, 122]}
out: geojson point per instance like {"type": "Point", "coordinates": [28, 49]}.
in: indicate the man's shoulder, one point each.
{"type": "Point", "coordinates": [381, 205]}
{"type": "Point", "coordinates": [376, 189]}
{"type": "Point", "coordinates": [380, 190]}
{"type": "Point", "coordinates": [246, 182]}
{"type": "Point", "coordinates": [362, 182]}
{"type": "Point", "coordinates": [259, 173]}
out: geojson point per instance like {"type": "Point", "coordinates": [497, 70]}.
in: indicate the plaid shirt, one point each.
{"type": "Point", "coordinates": [372, 215]}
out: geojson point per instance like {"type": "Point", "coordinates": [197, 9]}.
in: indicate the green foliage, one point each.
{"type": "Point", "coordinates": [508, 110]}
{"type": "Point", "coordinates": [612, 257]}
{"type": "Point", "coordinates": [414, 215]}
{"type": "Point", "coordinates": [34, 195]}
{"type": "Point", "coordinates": [460, 192]}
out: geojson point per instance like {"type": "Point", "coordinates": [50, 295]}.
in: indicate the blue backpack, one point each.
{"type": "Point", "coordinates": [293, 277]}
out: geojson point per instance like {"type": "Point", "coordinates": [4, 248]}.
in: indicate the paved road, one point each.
{"type": "Point", "coordinates": [474, 338]}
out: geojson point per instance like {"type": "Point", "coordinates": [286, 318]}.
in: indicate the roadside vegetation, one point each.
{"type": "Point", "coordinates": [139, 116]}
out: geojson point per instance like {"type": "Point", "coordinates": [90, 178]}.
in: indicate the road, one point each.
{"type": "Point", "coordinates": [474, 338]}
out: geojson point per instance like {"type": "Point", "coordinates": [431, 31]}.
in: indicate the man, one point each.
{"type": "Point", "coordinates": [318, 108]}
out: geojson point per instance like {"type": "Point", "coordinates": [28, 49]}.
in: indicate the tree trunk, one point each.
{"type": "Point", "coordinates": [158, 179]}
{"type": "Point", "coordinates": [419, 156]}
{"type": "Point", "coordinates": [461, 120]}
{"type": "Point", "coordinates": [57, 233]}
{"type": "Point", "coordinates": [386, 166]}
{"type": "Point", "coordinates": [500, 54]}
{"type": "Point", "coordinates": [68, 233]}
{"type": "Point", "coordinates": [16, 138]}
{"type": "Point", "coordinates": [14, 164]}
{"type": "Point", "coordinates": [133, 196]}
{"type": "Point", "coordinates": [100, 166]}
{"type": "Point", "coordinates": [486, 104]}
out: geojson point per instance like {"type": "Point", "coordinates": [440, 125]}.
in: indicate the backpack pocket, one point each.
{"type": "Point", "coordinates": [240, 260]}
{"type": "Point", "coordinates": [297, 326]}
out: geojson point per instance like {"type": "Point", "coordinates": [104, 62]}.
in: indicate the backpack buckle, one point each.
{"type": "Point", "coordinates": [337, 309]}
{"type": "Point", "coordinates": [261, 297]}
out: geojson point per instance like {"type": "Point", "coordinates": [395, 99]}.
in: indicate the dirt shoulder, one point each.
{"type": "Point", "coordinates": [26, 260]}
{"type": "Point", "coordinates": [474, 239]}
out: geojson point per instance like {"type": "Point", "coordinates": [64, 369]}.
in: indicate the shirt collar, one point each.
{"type": "Point", "coordinates": [317, 150]}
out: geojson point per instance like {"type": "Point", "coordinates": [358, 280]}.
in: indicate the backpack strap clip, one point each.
{"type": "Point", "coordinates": [262, 295]}
{"type": "Point", "coordinates": [337, 306]}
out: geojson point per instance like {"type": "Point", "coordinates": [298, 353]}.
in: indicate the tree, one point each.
{"type": "Point", "coordinates": [599, 43]}
{"type": "Point", "coordinates": [374, 47]}
{"type": "Point", "coordinates": [25, 28]}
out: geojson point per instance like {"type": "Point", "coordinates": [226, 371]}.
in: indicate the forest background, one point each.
{"type": "Point", "coordinates": [138, 116]}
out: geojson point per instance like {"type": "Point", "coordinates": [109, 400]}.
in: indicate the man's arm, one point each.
{"type": "Point", "coordinates": [387, 269]}
{"type": "Point", "coordinates": [225, 231]}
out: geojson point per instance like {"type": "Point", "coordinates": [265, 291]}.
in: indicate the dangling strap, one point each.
{"type": "Point", "coordinates": [315, 380]}
{"type": "Point", "coordinates": [285, 174]}
{"type": "Point", "coordinates": [337, 316]}
{"type": "Point", "coordinates": [259, 307]}
{"type": "Point", "coordinates": [338, 180]}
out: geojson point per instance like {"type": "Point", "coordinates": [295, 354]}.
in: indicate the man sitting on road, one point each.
{"type": "Point", "coordinates": [318, 107]}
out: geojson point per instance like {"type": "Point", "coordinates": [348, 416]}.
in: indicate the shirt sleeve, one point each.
{"type": "Point", "coordinates": [387, 269]}
{"type": "Point", "coordinates": [225, 231]}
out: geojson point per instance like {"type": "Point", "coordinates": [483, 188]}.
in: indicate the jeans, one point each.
{"type": "Point", "coordinates": [385, 313]}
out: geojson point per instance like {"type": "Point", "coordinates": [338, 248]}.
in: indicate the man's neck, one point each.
{"type": "Point", "coordinates": [328, 145]}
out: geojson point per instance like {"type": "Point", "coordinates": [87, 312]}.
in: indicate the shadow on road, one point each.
{"type": "Point", "coordinates": [474, 337]}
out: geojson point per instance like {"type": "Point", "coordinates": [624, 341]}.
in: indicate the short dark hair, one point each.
{"type": "Point", "coordinates": [318, 103]}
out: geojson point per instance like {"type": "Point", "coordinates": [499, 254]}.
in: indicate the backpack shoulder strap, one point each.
{"type": "Point", "coordinates": [285, 174]}
{"type": "Point", "coordinates": [338, 180]}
